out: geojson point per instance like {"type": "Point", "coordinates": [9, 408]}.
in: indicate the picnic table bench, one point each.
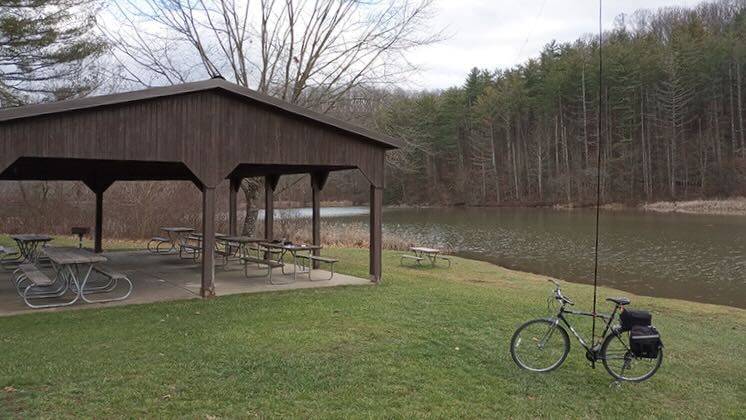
{"type": "Point", "coordinates": [316, 258]}
{"type": "Point", "coordinates": [31, 283]}
{"type": "Point", "coordinates": [294, 250]}
{"type": "Point", "coordinates": [269, 263]}
{"type": "Point", "coordinates": [9, 257]}
{"type": "Point", "coordinates": [410, 257]}
{"type": "Point", "coordinates": [34, 275]}
{"type": "Point", "coordinates": [190, 249]}
{"type": "Point", "coordinates": [113, 278]}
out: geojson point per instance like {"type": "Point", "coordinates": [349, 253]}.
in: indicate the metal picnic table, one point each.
{"type": "Point", "coordinates": [235, 246]}
{"type": "Point", "coordinates": [75, 266]}
{"type": "Point", "coordinates": [431, 254]}
{"type": "Point", "coordinates": [293, 249]}
{"type": "Point", "coordinates": [201, 235]}
{"type": "Point", "coordinates": [176, 235]}
{"type": "Point", "coordinates": [198, 236]}
{"type": "Point", "coordinates": [28, 245]}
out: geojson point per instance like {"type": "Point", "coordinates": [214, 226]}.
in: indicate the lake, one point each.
{"type": "Point", "coordinates": [693, 257]}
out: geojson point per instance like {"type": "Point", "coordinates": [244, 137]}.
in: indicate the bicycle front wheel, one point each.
{"type": "Point", "coordinates": [622, 364]}
{"type": "Point", "coordinates": [540, 345]}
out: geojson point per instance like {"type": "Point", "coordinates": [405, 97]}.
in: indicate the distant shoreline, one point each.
{"type": "Point", "coordinates": [735, 206]}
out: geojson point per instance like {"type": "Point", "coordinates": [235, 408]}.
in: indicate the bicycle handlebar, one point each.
{"type": "Point", "coordinates": [558, 293]}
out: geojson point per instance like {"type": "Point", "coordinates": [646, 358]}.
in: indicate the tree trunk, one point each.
{"type": "Point", "coordinates": [740, 108]}
{"type": "Point", "coordinates": [511, 152]}
{"type": "Point", "coordinates": [645, 174]}
{"type": "Point", "coordinates": [556, 146]}
{"type": "Point", "coordinates": [672, 147]}
{"type": "Point", "coordinates": [702, 158]}
{"type": "Point", "coordinates": [585, 118]}
{"type": "Point", "coordinates": [734, 147]}
{"type": "Point", "coordinates": [539, 166]}
{"type": "Point", "coordinates": [494, 163]}
{"type": "Point", "coordinates": [250, 188]}
{"type": "Point", "coordinates": [563, 134]}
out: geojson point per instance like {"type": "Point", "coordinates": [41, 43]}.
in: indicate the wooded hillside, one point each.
{"type": "Point", "coordinates": [671, 120]}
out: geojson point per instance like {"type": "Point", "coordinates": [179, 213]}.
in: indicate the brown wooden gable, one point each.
{"type": "Point", "coordinates": [204, 133]}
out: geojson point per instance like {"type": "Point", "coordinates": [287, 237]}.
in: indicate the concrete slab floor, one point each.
{"type": "Point", "coordinates": [158, 278]}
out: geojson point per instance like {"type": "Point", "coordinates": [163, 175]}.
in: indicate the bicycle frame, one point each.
{"type": "Point", "coordinates": [589, 347]}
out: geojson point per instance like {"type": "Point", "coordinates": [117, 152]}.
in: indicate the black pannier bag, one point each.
{"type": "Point", "coordinates": [631, 318]}
{"type": "Point", "coordinates": [645, 341]}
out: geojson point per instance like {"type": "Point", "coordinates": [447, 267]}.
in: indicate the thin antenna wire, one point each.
{"type": "Point", "coordinates": [598, 164]}
{"type": "Point", "coordinates": [531, 29]}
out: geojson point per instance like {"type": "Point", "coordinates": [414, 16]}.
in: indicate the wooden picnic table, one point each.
{"type": "Point", "coordinates": [74, 265]}
{"type": "Point", "coordinates": [293, 249]}
{"type": "Point", "coordinates": [28, 245]}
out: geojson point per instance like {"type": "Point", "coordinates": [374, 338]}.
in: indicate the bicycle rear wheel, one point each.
{"type": "Point", "coordinates": [540, 345]}
{"type": "Point", "coordinates": [622, 364]}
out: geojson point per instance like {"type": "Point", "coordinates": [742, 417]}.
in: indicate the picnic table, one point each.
{"type": "Point", "coordinates": [422, 253]}
{"type": "Point", "coordinates": [200, 235]}
{"type": "Point", "coordinates": [190, 244]}
{"type": "Point", "coordinates": [240, 241]}
{"type": "Point", "coordinates": [177, 235]}
{"type": "Point", "coordinates": [28, 245]}
{"type": "Point", "coordinates": [294, 250]}
{"type": "Point", "coordinates": [75, 266]}
{"type": "Point", "coordinates": [236, 246]}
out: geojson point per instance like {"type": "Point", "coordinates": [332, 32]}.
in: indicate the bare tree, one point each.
{"type": "Point", "coordinates": [48, 50]}
{"type": "Point", "coordinates": [308, 52]}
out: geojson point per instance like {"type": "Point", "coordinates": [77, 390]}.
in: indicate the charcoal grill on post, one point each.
{"type": "Point", "coordinates": [80, 232]}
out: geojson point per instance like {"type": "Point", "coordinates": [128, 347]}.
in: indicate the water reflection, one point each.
{"type": "Point", "coordinates": [683, 256]}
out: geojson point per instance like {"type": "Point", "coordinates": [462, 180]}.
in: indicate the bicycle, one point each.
{"type": "Point", "coordinates": [549, 344]}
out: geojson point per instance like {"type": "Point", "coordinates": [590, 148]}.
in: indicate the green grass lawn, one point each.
{"type": "Point", "coordinates": [425, 343]}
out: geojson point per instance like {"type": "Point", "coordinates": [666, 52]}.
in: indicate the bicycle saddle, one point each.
{"type": "Point", "coordinates": [619, 301]}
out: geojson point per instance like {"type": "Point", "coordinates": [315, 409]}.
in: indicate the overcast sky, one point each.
{"type": "Point", "coordinates": [501, 33]}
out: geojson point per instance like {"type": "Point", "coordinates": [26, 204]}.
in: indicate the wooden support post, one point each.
{"type": "Point", "coordinates": [208, 242]}
{"type": "Point", "coordinates": [318, 180]}
{"type": "Point", "coordinates": [270, 184]}
{"type": "Point", "coordinates": [99, 186]}
{"type": "Point", "coordinates": [376, 232]}
{"type": "Point", "coordinates": [98, 230]}
{"type": "Point", "coordinates": [235, 184]}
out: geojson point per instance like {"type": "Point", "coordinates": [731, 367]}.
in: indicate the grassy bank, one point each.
{"type": "Point", "coordinates": [427, 342]}
{"type": "Point", "coordinates": [728, 206]}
